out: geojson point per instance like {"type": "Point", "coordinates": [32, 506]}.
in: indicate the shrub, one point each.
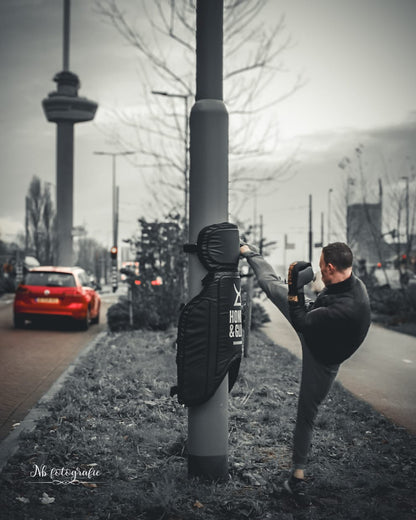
{"type": "Point", "coordinates": [160, 256]}
{"type": "Point", "coordinates": [392, 302]}
{"type": "Point", "coordinates": [7, 285]}
{"type": "Point", "coordinates": [259, 316]}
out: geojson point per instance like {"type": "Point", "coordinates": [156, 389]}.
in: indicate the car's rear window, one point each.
{"type": "Point", "coordinates": [50, 279]}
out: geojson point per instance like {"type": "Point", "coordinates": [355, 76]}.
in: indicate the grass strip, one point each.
{"type": "Point", "coordinates": [114, 446]}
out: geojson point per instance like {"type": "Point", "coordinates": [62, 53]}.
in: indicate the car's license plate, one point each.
{"type": "Point", "coordinates": [47, 300]}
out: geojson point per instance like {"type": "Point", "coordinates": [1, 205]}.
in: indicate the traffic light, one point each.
{"type": "Point", "coordinates": [114, 277]}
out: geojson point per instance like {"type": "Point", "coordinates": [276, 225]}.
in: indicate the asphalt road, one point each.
{"type": "Point", "coordinates": [33, 358]}
{"type": "Point", "coordinates": [382, 372]}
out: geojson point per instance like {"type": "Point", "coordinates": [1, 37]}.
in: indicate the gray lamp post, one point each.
{"type": "Point", "coordinates": [115, 197]}
{"type": "Point", "coordinates": [208, 190]}
{"type": "Point", "coordinates": [329, 214]}
{"type": "Point", "coordinates": [114, 190]}
{"type": "Point", "coordinates": [184, 97]}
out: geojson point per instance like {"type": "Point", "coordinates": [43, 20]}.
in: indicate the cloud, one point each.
{"type": "Point", "coordinates": [10, 228]}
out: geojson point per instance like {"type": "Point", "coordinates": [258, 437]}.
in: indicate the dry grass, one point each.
{"type": "Point", "coordinates": [115, 415]}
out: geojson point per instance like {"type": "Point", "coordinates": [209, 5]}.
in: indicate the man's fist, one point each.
{"type": "Point", "coordinates": [300, 274]}
{"type": "Point", "coordinates": [248, 250]}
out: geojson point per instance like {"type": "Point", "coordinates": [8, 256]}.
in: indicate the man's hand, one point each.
{"type": "Point", "coordinates": [300, 274]}
{"type": "Point", "coordinates": [248, 250]}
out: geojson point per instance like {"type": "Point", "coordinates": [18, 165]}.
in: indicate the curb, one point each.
{"type": "Point", "coordinates": [10, 444]}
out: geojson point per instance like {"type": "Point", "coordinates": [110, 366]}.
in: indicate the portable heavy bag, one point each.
{"type": "Point", "coordinates": [210, 336]}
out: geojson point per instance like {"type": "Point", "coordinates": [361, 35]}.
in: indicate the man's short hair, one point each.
{"type": "Point", "coordinates": [338, 254]}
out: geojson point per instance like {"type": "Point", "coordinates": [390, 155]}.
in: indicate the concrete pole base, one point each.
{"type": "Point", "coordinates": [209, 467]}
{"type": "Point", "coordinates": [208, 436]}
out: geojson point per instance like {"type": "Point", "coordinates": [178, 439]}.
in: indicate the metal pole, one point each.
{"type": "Point", "coordinates": [329, 215]}
{"type": "Point", "coordinates": [285, 254]}
{"type": "Point", "coordinates": [407, 211]}
{"type": "Point", "coordinates": [186, 168]}
{"type": "Point", "coordinates": [184, 97]}
{"type": "Point", "coordinates": [347, 224]}
{"type": "Point", "coordinates": [66, 33]}
{"type": "Point", "coordinates": [310, 228]}
{"type": "Point", "coordinates": [27, 209]}
{"type": "Point", "coordinates": [249, 309]}
{"type": "Point", "coordinates": [208, 423]}
{"type": "Point", "coordinates": [117, 216]}
{"type": "Point", "coordinates": [114, 195]}
{"type": "Point", "coordinates": [130, 298]}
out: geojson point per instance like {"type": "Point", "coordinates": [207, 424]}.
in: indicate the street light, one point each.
{"type": "Point", "coordinates": [406, 178]}
{"type": "Point", "coordinates": [329, 214]}
{"type": "Point", "coordinates": [115, 204]}
{"type": "Point", "coordinates": [184, 97]}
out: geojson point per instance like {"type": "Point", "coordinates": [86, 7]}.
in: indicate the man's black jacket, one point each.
{"type": "Point", "coordinates": [335, 325]}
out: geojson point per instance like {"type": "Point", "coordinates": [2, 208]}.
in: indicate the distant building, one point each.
{"type": "Point", "coordinates": [364, 231]}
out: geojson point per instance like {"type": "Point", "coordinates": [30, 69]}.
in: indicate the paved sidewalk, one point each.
{"type": "Point", "coordinates": [382, 372]}
{"type": "Point", "coordinates": [10, 444]}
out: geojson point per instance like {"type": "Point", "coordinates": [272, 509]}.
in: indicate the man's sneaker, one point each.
{"type": "Point", "coordinates": [297, 488]}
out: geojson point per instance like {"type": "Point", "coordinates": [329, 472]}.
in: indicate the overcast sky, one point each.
{"type": "Point", "coordinates": [358, 57]}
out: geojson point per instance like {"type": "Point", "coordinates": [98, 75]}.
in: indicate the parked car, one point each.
{"type": "Point", "coordinates": [56, 292]}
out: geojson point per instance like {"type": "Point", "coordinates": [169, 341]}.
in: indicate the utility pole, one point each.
{"type": "Point", "coordinates": [114, 192]}
{"type": "Point", "coordinates": [185, 98]}
{"type": "Point", "coordinates": [405, 178]}
{"type": "Point", "coordinates": [329, 215]}
{"type": "Point", "coordinates": [310, 228]}
{"type": "Point", "coordinates": [208, 423]}
{"type": "Point", "coordinates": [115, 195]}
{"type": "Point", "coordinates": [27, 209]}
{"type": "Point", "coordinates": [65, 108]}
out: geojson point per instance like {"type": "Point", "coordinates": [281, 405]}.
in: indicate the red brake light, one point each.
{"type": "Point", "coordinates": [157, 281]}
{"type": "Point", "coordinates": [77, 295]}
{"type": "Point", "coordinates": [137, 282]}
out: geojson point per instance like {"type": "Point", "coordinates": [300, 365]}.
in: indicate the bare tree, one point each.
{"type": "Point", "coordinates": [163, 34]}
{"type": "Point", "coordinates": [49, 226]}
{"type": "Point", "coordinates": [35, 213]}
{"type": "Point", "coordinates": [41, 221]}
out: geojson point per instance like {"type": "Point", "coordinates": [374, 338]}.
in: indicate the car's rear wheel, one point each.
{"type": "Point", "coordinates": [85, 323]}
{"type": "Point", "coordinates": [96, 319]}
{"type": "Point", "coordinates": [19, 321]}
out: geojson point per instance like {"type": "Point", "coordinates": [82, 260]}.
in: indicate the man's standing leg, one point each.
{"type": "Point", "coordinates": [316, 382]}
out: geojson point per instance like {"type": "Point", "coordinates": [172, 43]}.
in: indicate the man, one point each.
{"type": "Point", "coordinates": [330, 331]}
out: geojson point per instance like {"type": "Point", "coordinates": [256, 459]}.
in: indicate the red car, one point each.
{"type": "Point", "coordinates": [58, 292]}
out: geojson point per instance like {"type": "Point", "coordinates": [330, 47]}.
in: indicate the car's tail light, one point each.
{"type": "Point", "coordinates": [76, 296]}
{"type": "Point", "coordinates": [157, 281]}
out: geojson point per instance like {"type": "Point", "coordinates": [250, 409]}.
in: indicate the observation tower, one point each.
{"type": "Point", "coordinates": [65, 108]}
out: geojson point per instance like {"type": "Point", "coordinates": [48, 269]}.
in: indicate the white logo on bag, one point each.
{"type": "Point", "coordinates": [237, 301]}
{"type": "Point", "coordinates": [235, 319]}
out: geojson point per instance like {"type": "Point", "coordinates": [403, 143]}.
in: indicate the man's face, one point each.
{"type": "Point", "coordinates": [326, 271]}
